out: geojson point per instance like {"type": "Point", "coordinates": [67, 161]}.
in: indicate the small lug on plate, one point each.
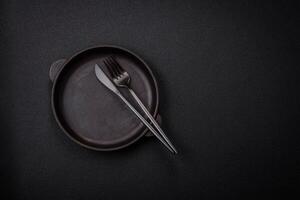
{"type": "Point", "coordinates": [55, 68]}
{"type": "Point", "coordinates": [158, 119]}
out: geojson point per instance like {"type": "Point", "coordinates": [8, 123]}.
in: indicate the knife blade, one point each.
{"type": "Point", "coordinates": [103, 78]}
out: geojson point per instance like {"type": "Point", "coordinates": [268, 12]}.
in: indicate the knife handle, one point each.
{"type": "Point", "coordinates": [152, 119]}
{"type": "Point", "coordinates": [145, 122]}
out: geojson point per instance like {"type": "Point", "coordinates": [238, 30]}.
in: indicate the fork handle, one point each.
{"type": "Point", "coordinates": [145, 122]}
{"type": "Point", "coordinates": [156, 125]}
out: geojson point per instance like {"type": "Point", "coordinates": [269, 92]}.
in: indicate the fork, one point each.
{"type": "Point", "coordinates": [122, 79]}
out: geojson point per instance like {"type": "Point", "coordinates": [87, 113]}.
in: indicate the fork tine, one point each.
{"type": "Point", "coordinates": [108, 59]}
{"type": "Point", "coordinates": [113, 66]}
{"type": "Point", "coordinates": [109, 68]}
{"type": "Point", "coordinates": [117, 64]}
{"type": "Point", "coordinates": [112, 62]}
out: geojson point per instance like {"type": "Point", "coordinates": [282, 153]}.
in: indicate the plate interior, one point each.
{"type": "Point", "coordinates": [89, 112]}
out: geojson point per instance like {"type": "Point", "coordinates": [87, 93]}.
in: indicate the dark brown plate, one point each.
{"type": "Point", "coordinates": [87, 111]}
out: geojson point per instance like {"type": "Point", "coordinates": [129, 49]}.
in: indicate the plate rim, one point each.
{"type": "Point", "coordinates": [54, 107]}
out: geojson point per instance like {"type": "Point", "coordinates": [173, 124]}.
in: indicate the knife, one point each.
{"type": "Point", "coordinates": [103, 78]}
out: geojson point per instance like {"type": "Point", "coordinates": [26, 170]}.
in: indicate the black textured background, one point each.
{"type": "Point", "coordinates": [228, 77]}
